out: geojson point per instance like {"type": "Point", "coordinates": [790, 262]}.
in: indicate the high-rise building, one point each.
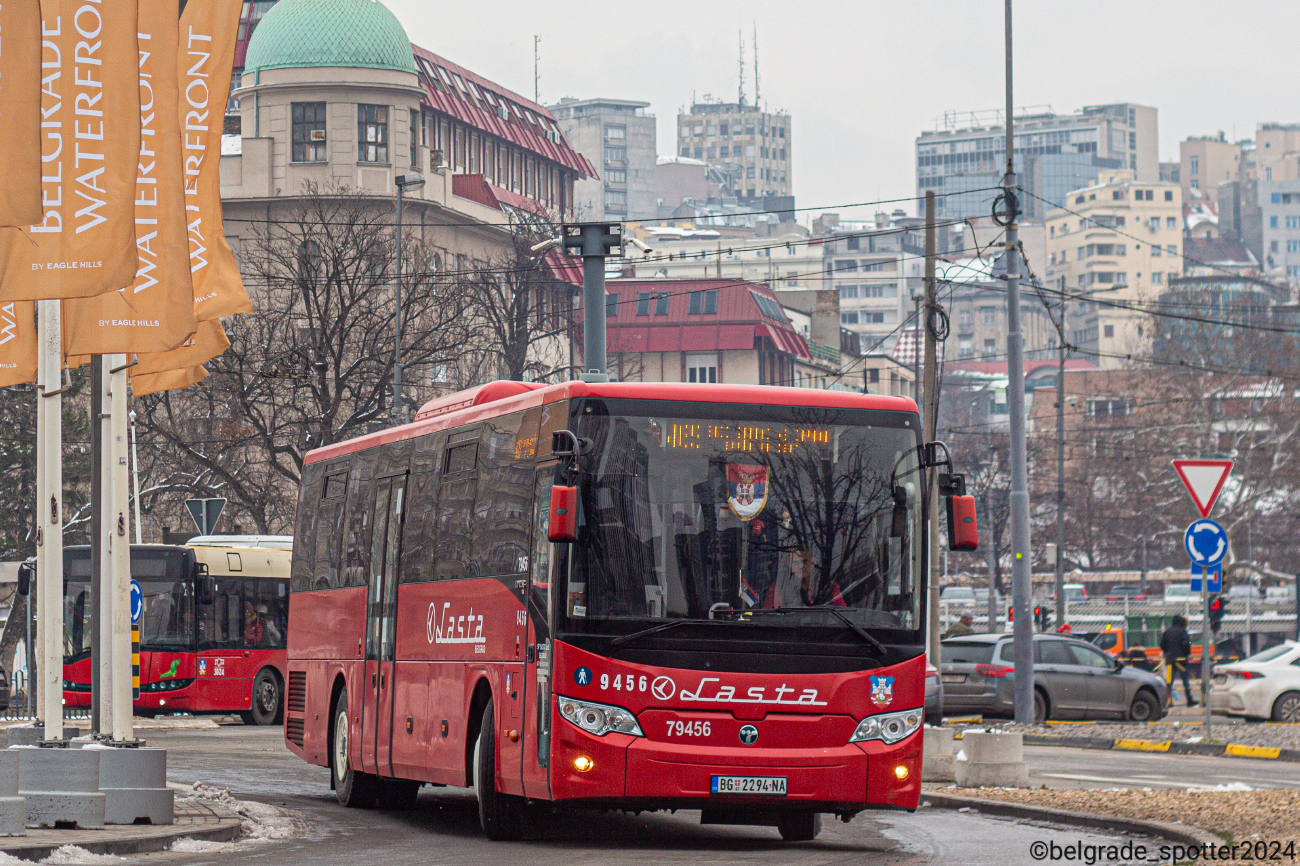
{"type": "Point", "coordinates": [1055, 153]}
{"type": "Point", "coordinates": [748, 150]}
{"type": "Point", "coordinates": [1204, 163]}
{"type": "Point", "coordinates": [618, 137]}
{"type": "Point", "coordinates": [1113, 249]}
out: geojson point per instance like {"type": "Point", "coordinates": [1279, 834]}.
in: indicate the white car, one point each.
{"type": "Point", "coordinates": [1263, 686]}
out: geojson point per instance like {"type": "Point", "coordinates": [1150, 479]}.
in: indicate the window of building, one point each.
{"type": "Point", "coordinates": [848, 292]}
{"type": "Point", "coordinates": [618, 154]}
{"type": "Point", "coordinates": [709, 152]}
{"type": "Point", "coordinates": [873, 318]}
{"type": "Point", "coordinates": [723, 152]}
{"type": "Point", "coordinates": [965, 319]}
{"type": "Point", "coordinates": [1272, 247]}
{"type": "Point", "coordinates": [1109, 330]}
{"type": "Point", "coordinates": [643, 303]}
{"type": "Point", "coordinates": [873, 376]}
{"type": "Point", "coordinates": [1172, 249]}
{"type": "Point", "coordinates": [990, 346]}
{"type": "Point", "coordinates": [722, 130]}
{"type": "Point", "coordinates": [615, 175]}
{"type": "Point", "coordinates": [847, 318]}
{"type": "Point", "coordinates": [989, 315]}
{"type": "Point", "coordinates": [617, 133]}
{"type": "Point", "coordinates": [661, 303]}
{"type": "Point", "coordinates": [749, 150]}
{"type": "Point", "coordinates": [749, 174]}
{"type": "Point", "coordinates": [1155, 278]}
{"type": "Point", "coordinates": [1106, 408]}
{"type": "Point", "coordinates": [372, 133]}
{"type": "Point", "coordinates": [749, 130]}
{"type": "Point", "coordinates": [1116, 194]}
{"type": "Point", "coordinates": [1169, 195]}
{"type": "Point", "coordinates": [699, 153]}
{"type": "Point", "coordinates": [1194, 164]}
{"type": "Point", "coordinates": [414, 139]}
{"type": "Point", "coordinates": [1171, 222]}
{"type": "Point", "coordinates": [850, 265]}
{"type": "Point", "coordinates": [616, 198]}
{"type": "Point", "coordinates": [686, 151]}
{"type": "Point", "coordinates": [705, 302]}
{"type": "Point", "coordinates": [702, 367]}
{"type": "Point", "coordinates": [783, 153]}
{"type": "Point", "coordinates": [611, 305]}
{"type": "Point", "coordinates": [309, 132]}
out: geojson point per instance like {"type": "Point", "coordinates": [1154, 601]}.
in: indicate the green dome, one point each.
{"type": "Point", "coordinates": [355, 33]}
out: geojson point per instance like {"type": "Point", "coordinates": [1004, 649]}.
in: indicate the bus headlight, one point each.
{"type": "Point", "coordinates": [889, 728]}
{"type": "Point", "coordinates": [599, 719]}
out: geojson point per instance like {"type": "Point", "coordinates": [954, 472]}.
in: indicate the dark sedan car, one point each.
{"type": "Point", "coordinates": [1072, 680]}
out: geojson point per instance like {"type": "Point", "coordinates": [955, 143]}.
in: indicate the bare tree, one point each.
{"type": "Point", "coordinates": [314, 364]}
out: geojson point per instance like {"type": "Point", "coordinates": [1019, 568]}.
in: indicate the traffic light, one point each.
{"type": "Point", "coordinates": [1040, 617]}
{"type": "Point", "coordinates": [1218, 607]}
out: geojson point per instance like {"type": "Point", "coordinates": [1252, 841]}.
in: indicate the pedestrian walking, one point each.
{"type": "Point", "coordinates": [1177, 646]}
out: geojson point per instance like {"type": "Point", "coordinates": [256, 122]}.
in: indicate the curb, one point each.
{"type": "Point", "coordinates": [225, 829]}
{"type": "Point", "coordinates": [1215, 750]}
{"type": "Point", "coordinates": [1180, 833]}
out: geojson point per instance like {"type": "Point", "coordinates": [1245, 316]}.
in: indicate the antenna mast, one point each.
{"type": "Point", "coordinates": [757, 104]}
{"type": "Point", "coordinates": [740, 40]}
{"type": "Point", "coordinates": [537, 69]}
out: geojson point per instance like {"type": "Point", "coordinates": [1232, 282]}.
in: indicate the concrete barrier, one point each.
{"type": "Point", "coordinates": [937, 761]}
{"type": "Point", "coordinates": [13, 808]}
{"type": "Point", "coordinates": [61, 786]}
{"type": "Point", "coordinates": [134, 781]}
{"type": "Point", "coordinates": [30, 735]}
{"type": "Point", "coordinates": [991, 760]}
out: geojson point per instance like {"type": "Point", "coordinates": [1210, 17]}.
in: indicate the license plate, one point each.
{"type": "Point", "coordinates": [749, 786]}
{"type": "Point", "coordinates": [952, 678]}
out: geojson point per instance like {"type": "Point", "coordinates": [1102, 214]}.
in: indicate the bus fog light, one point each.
{"type": "Point", "coordinates": [889, 728]}
{"type": "Point", "coordinates": [599, 719]}
{"type": "Point", "coordinates": [900, 773]}
{"type": "Point", "coordinates": [583, 764]}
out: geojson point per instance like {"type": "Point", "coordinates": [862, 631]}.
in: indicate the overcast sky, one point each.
{"type": "Point", "coordinates": [861, 79]}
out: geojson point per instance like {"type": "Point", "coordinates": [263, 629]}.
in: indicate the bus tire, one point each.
{"type": "Point", "coordinates": [267, 699]}
{"type": "Point", "coordinates": [800, 827]}
{"type": "Point", "coordinates": [353, 789]}
{"type": "Point", "coordinates": [501, 815]}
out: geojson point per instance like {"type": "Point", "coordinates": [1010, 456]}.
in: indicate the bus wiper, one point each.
{"type": "Point", "coordinates": [848, 621]}
{"type": "Point", "coordinates": [654, 629]}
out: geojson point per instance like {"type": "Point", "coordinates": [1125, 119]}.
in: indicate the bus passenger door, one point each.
{"type": "Point", "coordinates": [381, 610]}
{"type": "Point", "coordinates": [536, 695]}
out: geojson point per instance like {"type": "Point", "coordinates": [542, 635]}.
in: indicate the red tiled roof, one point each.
{"type": "Point", "coordinates": [518, 130]}
{"type": "Point", "coordinates": [475, 188]}
{"type": "Point", "coordinates": [735, 325]}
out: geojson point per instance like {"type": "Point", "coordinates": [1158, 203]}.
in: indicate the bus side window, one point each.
{"type": "Point", "coordinates": [356, 562]}
{"type": "Point", "coordinates": [502, 511]}
{"type": "Point", "coordinates": [266, 614]}
{"type": "Point", "coordinates": [329, 529]}
{"type": "Point", "coordinates": [421, 513]}
{"type": "Point", "coordinates": [305, 532]}
{"type": "Point", "coordinates": [455, 506]}
{"type": "Point", "coordinates": [219, 624]}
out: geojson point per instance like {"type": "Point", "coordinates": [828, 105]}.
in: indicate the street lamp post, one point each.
{"type": "Point", "coordinates": [404, 182]}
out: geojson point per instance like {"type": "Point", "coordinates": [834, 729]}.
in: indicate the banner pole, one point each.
{"type": "Point", "coordinates": [49, 521]}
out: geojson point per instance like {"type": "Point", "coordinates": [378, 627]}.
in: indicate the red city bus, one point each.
{"type": "Point", "coordinates": [212, 626]}
{"type": "Point", "coordinates": [732, 619]}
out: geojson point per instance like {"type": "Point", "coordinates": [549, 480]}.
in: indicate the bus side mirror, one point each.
{"type": "Point", "coordinates": [963, 530]}
{"type": "Point", "coordinates": [563, 525]}
{"type": "Point", "coordinates": [25, 578]}
{"type": "Point", "coordinates": [206, 584]}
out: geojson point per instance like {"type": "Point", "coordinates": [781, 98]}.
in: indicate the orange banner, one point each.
{"type": "Point", "coordinates": [167, 380]}
{"type": "Point", "coordinates": [20, 110]}
{"type": "Point", "coordinates": [156, 312]}
{"type": "Point", "coordinates": [90, 110]}
{"type": "Point", "coordinates": [206, 61]}
{"type": "Point", "coordinates": [208, 341]}
{"type": "Point", "coordinates": [17, 342]}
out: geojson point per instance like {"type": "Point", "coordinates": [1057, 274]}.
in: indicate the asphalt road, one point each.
{"type": "Point", "coordinates": [443, 828]}
{"type": "Point", "coordinates": [1058, 767]}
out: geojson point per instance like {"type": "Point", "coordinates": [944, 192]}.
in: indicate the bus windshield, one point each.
{"type": "Point", "coordinates": [716, 511]}
{"type": "Point", "coordinates": [167, 621]}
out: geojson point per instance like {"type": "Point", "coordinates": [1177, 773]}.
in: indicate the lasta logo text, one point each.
{"type": "Point", "coordinates": [445, 627]}
{"type": "Point", "coordinates": [708, 691]}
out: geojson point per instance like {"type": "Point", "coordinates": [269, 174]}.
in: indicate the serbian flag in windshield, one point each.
{"type": "Point", "coordinates": [746, 489]}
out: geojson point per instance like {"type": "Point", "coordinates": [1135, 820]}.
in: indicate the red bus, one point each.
{"type": "Point", "coordinates": [212, 628]}
{"type": "Point", "coordinates": [735, 623]}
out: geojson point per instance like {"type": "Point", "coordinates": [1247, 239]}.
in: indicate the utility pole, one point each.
{"type": "Point", "coordinates": [1020, 576]}
{"type": "Point", "coordinates": [404, 182]}
{"type": "Point", "coordinates": [1060, 470]}
{"type": "Point", "coordinates": [931, 423]}
{"type": "Point", "coordinates": [594, 242]}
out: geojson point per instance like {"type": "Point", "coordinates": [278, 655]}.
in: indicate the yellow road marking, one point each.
{"type": "Point", "coordinates": [1143, 745]}
{"type": "Point", "coordinates": [1252, 751]}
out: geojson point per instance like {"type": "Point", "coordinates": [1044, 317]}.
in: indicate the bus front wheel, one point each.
{"type": "Point", "coordinates": [352, 788]}
{"type": "Point", "coordinates": [267, 700]}
{"type": "Point", "coordinates": [501, 815]}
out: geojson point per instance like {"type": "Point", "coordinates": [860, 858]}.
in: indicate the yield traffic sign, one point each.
{"type": "Point", "coordinates": [205, 513]}
{"type": "Point", "coordinates": [1203, 480]}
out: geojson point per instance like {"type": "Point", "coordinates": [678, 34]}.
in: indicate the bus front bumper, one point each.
{"type": "Point", "coordinates": [847, 778]}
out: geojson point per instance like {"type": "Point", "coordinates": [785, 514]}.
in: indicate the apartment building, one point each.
{"type": "Point", "coordinates": [748, 150]}
{"type": "Point", "coordinates": [1205, 162]}
{"type": "Point", "coordinates": [1055, 153]}
{"type": "Point", "coordinates": [1117, 245]}
{"type": "Point", "coordinates": [618, 137]}
{"type": "Point", "coordinates": [876, 268]}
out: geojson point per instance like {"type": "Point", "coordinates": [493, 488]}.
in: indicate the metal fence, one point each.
{"type": "Point", "coordinates": [1256, 616]}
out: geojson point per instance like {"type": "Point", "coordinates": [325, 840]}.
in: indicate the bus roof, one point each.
{"type": "Point", "coordinates": [268, 542]}
{"type": "Point", "coordinates": [502, 397]}
{"type": "Point", "coordinates": [231, 561]}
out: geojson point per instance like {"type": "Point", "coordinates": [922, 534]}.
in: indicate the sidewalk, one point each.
{"type": "Point", "coordinates": [194, 820]}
